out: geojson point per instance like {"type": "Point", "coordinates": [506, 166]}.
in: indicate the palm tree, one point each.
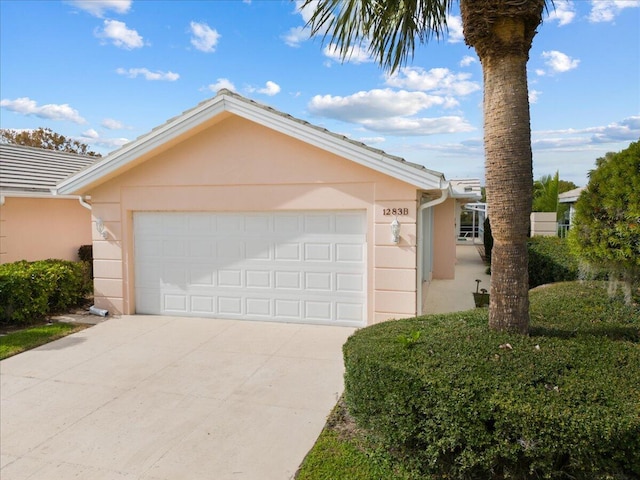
{"type": "Point", "coordinates": [501, 32]}
{"type": "Point", "coordinates": [545, 193]}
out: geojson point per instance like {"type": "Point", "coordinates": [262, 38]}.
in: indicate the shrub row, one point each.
{"type": "Point", "coordinates": [551, 260]}
{"type": "Point", "coordinates": [29, 291]}
{"type": "Point", "coordinates": [455, 400]}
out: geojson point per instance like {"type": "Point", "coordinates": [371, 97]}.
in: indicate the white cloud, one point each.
{"type": "Point", "coordinates": [372, 104]}
{"type": "Point", "coordinates": [534, 95]}
{"type": "Point", "coordinates": [93, 138]}
{"type": "Point", "coordinates": [467, 60]}
{"type": "Point", "coordinates": [121, 36]}
{"type": "Point", "coordinates": [148, 74]}
{"type": "Point", "coordinates": [563, 11]}
{"type": "Point", "coordinates": [220, 84]}
{"type": "Point", "coordinates": [270, 89]}
{"type": "Point", "coordinates": [627, 130]}
{"type": "Point", "coordinates": [437, 80]}
{"type": "Point", "coordinates": [371, 140]}
{"type": "Point", "coordinates": [112, 124]}
{"type": "Point", "coordinates": [296, 36]}
{"type": "Point", "coordinates": [559, 62]}
{"type": "Point", "coordinates": [607, 10]}
{"type": "Point", "coordinates": [307, 11]}
{"type": "Point", "coordinates": [204, 37]}
{"type": "Point", "coordinates": [418, 126]}
{"type": "Point", "coordinates": [355, 54]}
{"type": "Point", "coordinates": [26, 106]}
{"type": "Point", "coordinates": [97, 8]}
{"type": "Point", "coordinates": [388, 112]}
{"type": "Point", "coordinates": [454, 25]}
{"type": "Point", "coordinates": [91, 133]}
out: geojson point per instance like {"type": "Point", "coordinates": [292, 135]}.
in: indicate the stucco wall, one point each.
{"type": "Point", "coordinates": [444, 235]}
{"type": "Point", "coordinates": [40, 228]}
{"type": "Point", "coordinates": [237, 165]}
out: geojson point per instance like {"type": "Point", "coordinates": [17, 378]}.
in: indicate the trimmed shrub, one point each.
{"type": "Point", "coordinates": [551, 260]}
{"type": "Point", "coordinates": [29, 291]}
{"type": "Point", "coordinates": [85, 253]}
{"type": "Point", "coordinates": [606, 226]}
{"type": "Point", "coordinates": [488, 240]}
{"type": "Point", "coordinates": [464, 402]}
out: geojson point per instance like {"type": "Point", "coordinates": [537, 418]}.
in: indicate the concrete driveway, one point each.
{"type": "Point", "coordinates": [146, 397]}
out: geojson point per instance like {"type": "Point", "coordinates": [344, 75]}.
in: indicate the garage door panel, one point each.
{"type": "Point", "coordinates": [288, 224]}
{"type": "Point", "coordinates": [258, 307]}
{"type": "Point", "coordinates": [318, 252]}
{"type": "Point", "coordinates": [230, 305]}
{"type": "Point", "coordinates": [285, 266]}
{"type": "Point", "coordinates": [258, 279]}
{"type": "Point", "coordinates": [349, 252]}
{"type": "Point", "coordinates": [175, 303]}
{"type": "Point", "coordinates": [202, 305]}
{"type": "Point", "coordinates": [229, 278]}
{"type": "Point", "coordinates": [258, 250]}
{"type": "Point", "coordinates": [288, 252]}
{"type": "Point", "coordinates": [202, 275]}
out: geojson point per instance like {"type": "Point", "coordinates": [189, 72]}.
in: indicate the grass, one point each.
{"type": "Point", "coordinates": [22, 340]}
{"type": "Point", "coordinates": [344, 452]}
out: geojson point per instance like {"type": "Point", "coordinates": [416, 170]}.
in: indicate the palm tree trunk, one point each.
{"type": "Point", "coordinates": [509, 184]}
{"type": "Point", "coordinates": [501, 33]}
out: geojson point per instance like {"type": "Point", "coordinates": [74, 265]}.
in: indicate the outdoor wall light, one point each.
{"type": "Point", "coordinates": [395, 231]}
{"type": "Point", "coordinates": [100, 228]}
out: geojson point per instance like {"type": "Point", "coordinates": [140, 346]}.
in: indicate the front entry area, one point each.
{"type": "Point", "coordinates": [292, 266]}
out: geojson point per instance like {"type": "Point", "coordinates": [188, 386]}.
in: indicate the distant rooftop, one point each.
{"type": "Point", "coordinates": [571, 196]}
{"type": "Point", "coordinates": [37, 170]}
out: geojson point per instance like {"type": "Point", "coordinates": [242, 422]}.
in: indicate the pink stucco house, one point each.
{"type": "Point", "coordinates": [235, 210]}
{"type": "Point", "coordinates": [36, 224]}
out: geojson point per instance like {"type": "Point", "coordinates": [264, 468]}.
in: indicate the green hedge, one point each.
{"type": "Point", "coordinates": [550, 261]}
{"type": "Point", "coordinates": [459, 401]}
{"type": "Point", "coordinates": [29, 291]}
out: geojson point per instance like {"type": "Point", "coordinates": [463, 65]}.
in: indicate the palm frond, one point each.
{"type": "Point", "coordinates": [388, 29]}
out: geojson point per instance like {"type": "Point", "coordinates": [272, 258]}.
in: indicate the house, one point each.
{"type": "Point", "coordinates": [236, 210]}
{"type": "Point", "coordinates": [570, 197]}
{"type": "Point", "coordinates": [36, 224]}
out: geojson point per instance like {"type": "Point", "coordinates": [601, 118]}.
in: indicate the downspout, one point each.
{"type": "Point", "coordinates": [84, 203]}
{"type": "Point", "coordinates": [444, 194]}
{"type": "Point", "coordinates": [2, 197]}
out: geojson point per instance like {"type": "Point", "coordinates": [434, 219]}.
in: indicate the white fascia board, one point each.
{"type": "Point", "coordinates": [422, 179]}
{"type": "Point", "coordinates": [10, 194]}
{"type": "Point", "coordinates": [152, 140]}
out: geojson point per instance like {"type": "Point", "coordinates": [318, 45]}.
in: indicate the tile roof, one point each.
{"type": "Point", "coordinates": [37, 170]}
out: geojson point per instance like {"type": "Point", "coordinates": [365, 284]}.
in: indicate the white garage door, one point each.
{"type": "Point", "coordinates": [292, 267]}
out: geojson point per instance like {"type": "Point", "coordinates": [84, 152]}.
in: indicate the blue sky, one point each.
{"type": "Point", "coordinates": [107, 71]}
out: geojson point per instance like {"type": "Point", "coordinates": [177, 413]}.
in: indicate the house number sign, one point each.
{"type": "Point", "coordinates": [395, 211]}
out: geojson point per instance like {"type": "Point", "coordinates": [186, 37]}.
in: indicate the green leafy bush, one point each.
{"type": "Point", "coordinates": [466, 402]}
{"type": "Point", "coordinates": [606, 226]}
{"type": "Point", "coordinates": [31, 290]}
{"type": "Point", "coordinates": [85, 254]}
{"type": "Point", "coordinates": [551, 260]}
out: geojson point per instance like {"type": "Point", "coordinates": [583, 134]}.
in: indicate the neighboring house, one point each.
{"type": "Point", "coordinates": [235, 210]}
{"type": "Point", "coordinates": [468, 205]}
{"type": "Point", "coordinates": [571, 197]}
{"type": "Point", "coordinates": [35, 224]}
